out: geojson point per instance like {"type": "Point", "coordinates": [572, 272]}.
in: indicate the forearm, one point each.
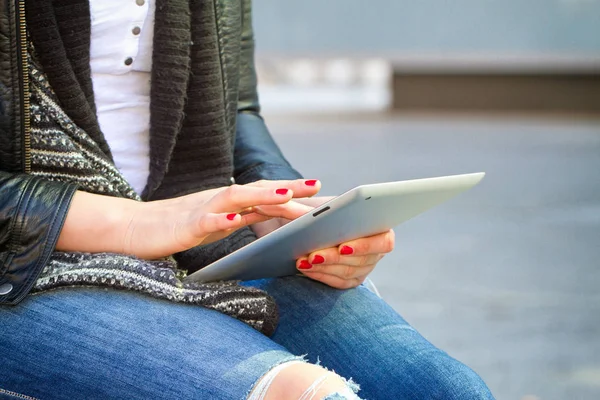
{"type": "Point", "coordinates": [96, 223]}
{"type": "Point", "coordinates": [156, 229]}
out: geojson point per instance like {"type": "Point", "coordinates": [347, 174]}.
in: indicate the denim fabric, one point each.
{"type": "Point", "coordinates": [356, 334]}
{"type": "Point", "coordinates": [100, 344]}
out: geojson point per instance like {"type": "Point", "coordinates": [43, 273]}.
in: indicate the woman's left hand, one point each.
{"type": "Point", "coordinates": [349, 264]}
{"type": "Point", "coordinates": [343, 267]}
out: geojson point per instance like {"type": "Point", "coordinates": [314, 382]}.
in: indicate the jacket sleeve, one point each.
{"type": "Point", "coordinates": [32, 213]}
{"type": "Point", "coordinates": [256, 156]}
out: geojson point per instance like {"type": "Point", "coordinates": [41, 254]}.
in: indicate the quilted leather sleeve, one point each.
{"type": "Point", "coordinates": [32, 213]}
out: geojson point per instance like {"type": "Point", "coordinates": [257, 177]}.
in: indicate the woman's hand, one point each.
{"type": "Point", "coordinates": [303, 206]}
{"type": "Point", "coordinates": [347, 265]}
{"type": "Point", "coordinates": [342, 267]}
{"type": "Point", "coordinates": [160, 228]}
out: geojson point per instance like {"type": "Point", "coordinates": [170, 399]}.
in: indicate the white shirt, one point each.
{"type": "Point", "coordinates": [121, 61]}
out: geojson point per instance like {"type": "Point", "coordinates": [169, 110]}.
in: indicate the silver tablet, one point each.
{"type": "Point", "coordinates": [363, 211]}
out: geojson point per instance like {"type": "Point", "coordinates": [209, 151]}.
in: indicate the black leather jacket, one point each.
{"type": "Point", "coordinates": [32, 210]}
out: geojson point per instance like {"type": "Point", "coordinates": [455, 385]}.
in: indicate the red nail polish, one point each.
{"type": "Point", "coordinates": [231, 217]}
{"type": "Point", "coordinates": [311, 182]}
{"type": "Point", "coordinates": [282, 191]}
{"type": "Point", "coordinates": [318, 260]}
{"type": "Point", "coordinates": [346, 250]}
{"type": "Point", "coordinates": [304, 265]}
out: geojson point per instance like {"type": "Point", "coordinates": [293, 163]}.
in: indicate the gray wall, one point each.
{"type": "Point", "coordinates": [422, 26]}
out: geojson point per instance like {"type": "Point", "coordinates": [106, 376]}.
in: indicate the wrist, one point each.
{"type": "Point", "coordinates": [96, 223]}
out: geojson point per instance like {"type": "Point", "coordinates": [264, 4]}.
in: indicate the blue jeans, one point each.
{"type": "Point", "coordinates": [86, 343]}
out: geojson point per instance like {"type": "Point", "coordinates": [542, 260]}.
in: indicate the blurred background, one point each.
{"type": "Point", "coordinates": [505, 277]}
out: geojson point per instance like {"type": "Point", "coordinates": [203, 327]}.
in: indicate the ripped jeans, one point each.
{"type": "Point", "coordinates": [88, 343]}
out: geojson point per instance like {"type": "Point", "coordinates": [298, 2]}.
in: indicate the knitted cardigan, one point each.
{"type": "Point", "coordinates": [191, 145]}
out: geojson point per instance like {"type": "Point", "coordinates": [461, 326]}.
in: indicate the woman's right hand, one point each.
{"type": "Point", "coordinates": [157, 229]}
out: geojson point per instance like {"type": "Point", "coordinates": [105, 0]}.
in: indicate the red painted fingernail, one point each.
{"type": "Point", "coordinates": [311, 182]}
{"type": "Point", "coordinates": [282, 191]}
{"type": "Point", "coordinates": [318, 260]}
{"type": "Point", "coordinates": [304, 265]}
{"type": "Point", "coordinates": [346, 250]}
{"type": "Point", "coordinates": [231, 217]}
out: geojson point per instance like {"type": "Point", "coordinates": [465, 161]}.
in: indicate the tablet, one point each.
{"type": "Point", "coordinates": [363, 211]}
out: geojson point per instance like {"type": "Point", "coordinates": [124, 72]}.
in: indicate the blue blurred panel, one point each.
{"type": "Point", "coordinates": [507, 26]}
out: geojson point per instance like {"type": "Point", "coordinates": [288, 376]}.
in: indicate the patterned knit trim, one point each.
{"type": "Point", "coordinates": [62, 151]}
{"type": "Point", "coordinates": [157, 278]}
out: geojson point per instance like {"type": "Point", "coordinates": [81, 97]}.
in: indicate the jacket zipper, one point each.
{"type": "Point", "coordinates": [25, 102]}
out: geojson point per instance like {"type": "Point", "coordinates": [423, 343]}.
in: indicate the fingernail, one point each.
{"type": "Point", "coordinates": [318, 260]}
{"type": "Point", "coordinates": [282, 191]}
{"type": "Point", "coordinates": [311, 182]}
{"type": "Point", "coordinates": [346, 250]}
{"type": "Point", "coordinates": [304, 264]}
{"type": "Point", "coordinates": [231, 217]}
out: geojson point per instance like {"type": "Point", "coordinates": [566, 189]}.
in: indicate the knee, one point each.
{"type": "Point", "coordinates": [298, 380]}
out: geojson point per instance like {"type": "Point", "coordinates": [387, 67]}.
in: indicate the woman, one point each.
{"type": "Point", "coordinates": [124, 123]}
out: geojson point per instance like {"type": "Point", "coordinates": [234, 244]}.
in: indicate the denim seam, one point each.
{"type": "Point", "coordinates": [16, 395]}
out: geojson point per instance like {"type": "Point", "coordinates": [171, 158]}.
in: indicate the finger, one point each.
{"type": "Point", "coordinates": [377, 244]}
{"type": "Point", "coordinates": [244, 220]}
{"type": "Point", "coordinates": [211, 223]}
{"type": "Point", "coordinates": [240, 197]}
{"type": "Point", "coordinates": [290, 210]}
{"type": "Point", "coordinates": [300, 187]}
{"type": "Point", "coordinates": [251, 219]}
{"type": "Point", "coordinates": [340, 270]}
{"type": "Point", "coordinates": [332, 256]}
{"type": "Point", "coordinates": [239, 222]}
{"type": "Point", "coordinates": [334, 281]}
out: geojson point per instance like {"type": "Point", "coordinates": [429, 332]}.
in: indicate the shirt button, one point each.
{"type": "Point", "coordinates": [5, 289]}
{"type": "Point", "coordinates": [128, 61]}
{"type": "Point", "coordinates": [136, 31]}
{"type": "Point", "coordinates": [140, 2]}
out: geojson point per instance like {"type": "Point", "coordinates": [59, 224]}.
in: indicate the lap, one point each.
{"type": "Point", "coordinates": [95, 343]}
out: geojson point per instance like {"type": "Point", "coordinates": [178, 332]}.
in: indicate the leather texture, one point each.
{"type": "Point", "coordinates": [10, 86]}
{"type": "Point", "coordinates": [32, 210]}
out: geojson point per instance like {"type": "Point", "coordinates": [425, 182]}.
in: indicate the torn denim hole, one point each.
{"type": "Point", "coordinates": [314, 388]}
{"type": "Point", "coordinates": [348, 393]}
{"type": "Point", "coordinates": [259, 391]}
{"type": "Point", "coordinates": [345, 395]}
{"type": "Point", "coordinates": [352, 388]}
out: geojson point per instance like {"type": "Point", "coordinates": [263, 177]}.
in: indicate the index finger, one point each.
{"type": "Point", "coordinates": [300, 187]}
{"type": "Point", "coordinates": [377, 244]}
{"type": "Point", "coordinates": [241, 197]}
